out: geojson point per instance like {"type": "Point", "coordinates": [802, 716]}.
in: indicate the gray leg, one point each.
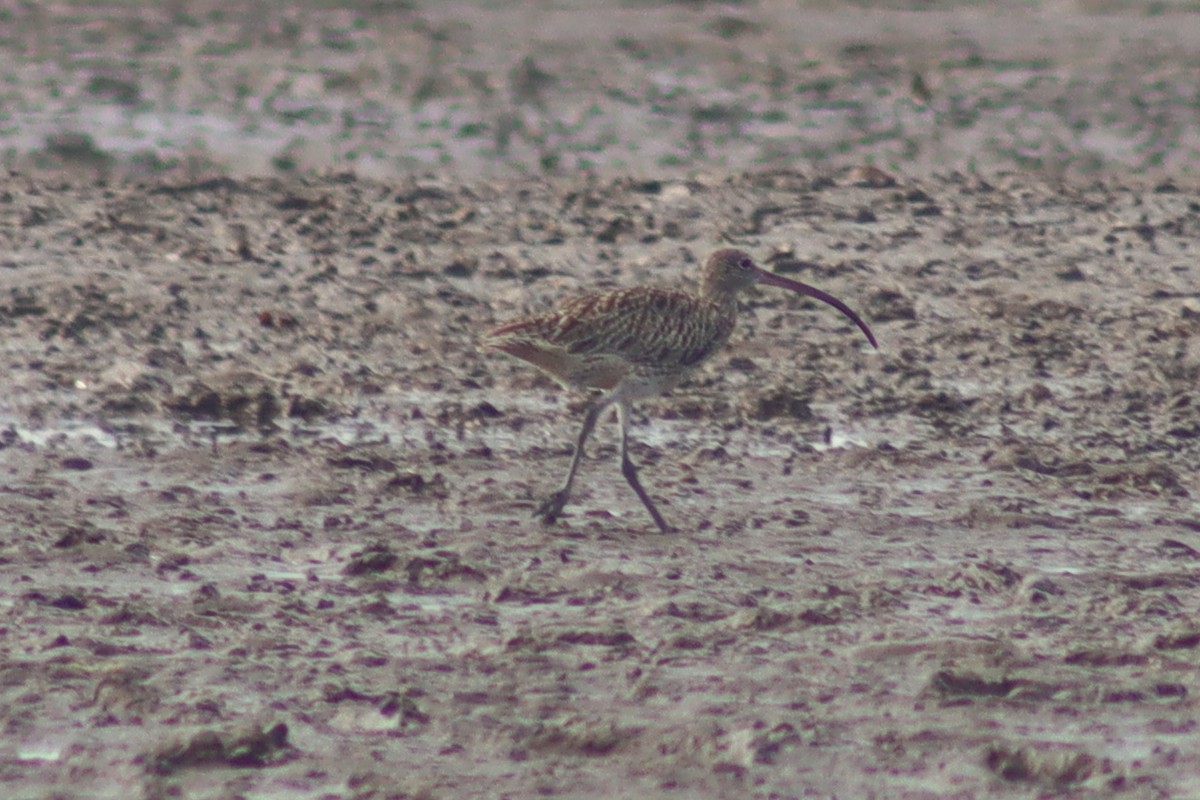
{"type": "Point", "coordinates": [630, 471]}
{"type": "Point", "coordinates": [554, 504]}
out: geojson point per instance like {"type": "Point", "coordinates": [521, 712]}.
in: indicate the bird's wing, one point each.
{"type": "Point", "coordinates": [648, 327]}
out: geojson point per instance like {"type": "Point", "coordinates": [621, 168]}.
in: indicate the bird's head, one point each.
{"type": "Point", "coordinates": [728, 272]}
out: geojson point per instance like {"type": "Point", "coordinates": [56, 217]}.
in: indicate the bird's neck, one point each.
{"type": "Point", "coordinates": [718, 296]}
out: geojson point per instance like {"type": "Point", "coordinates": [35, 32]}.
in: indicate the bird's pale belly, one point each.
{"type": "Point", "coordinates": [607, 373]}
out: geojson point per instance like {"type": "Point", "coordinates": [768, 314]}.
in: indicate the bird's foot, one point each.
{"type": "Point", "coordinates": [553, 506]}
{"type": "Point", "coordinates": [663, 527]}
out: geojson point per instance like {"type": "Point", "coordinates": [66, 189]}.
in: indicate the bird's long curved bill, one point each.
{"type": "Point", "coordinates": [771, 279]}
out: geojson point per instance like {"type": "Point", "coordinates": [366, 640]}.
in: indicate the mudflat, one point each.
{"type": "Point", "coordinates": [267, 506]}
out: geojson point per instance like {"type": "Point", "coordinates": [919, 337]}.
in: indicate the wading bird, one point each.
{"type": "Point", "coordinates": [636, 343]}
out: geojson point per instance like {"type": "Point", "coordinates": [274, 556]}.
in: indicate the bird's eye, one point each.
{"type": "Point", "coordinates": [746, 263]}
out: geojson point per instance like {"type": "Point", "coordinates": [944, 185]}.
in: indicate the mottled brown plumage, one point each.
{"type": "Point", "coordinates": [639, 342]}
{"type": "Point", "coordinates": [598, 340]}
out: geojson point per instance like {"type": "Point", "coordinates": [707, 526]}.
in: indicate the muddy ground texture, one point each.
{"type": "Point", "coordinates": [267, 506]}
{"type": "Point", "coordinates": [266, 509]}
{"type": "Point", "coordinates": [1083, 88]}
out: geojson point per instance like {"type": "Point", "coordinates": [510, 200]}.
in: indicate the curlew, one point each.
{"type": "Point", "coordinates": [636, 343]}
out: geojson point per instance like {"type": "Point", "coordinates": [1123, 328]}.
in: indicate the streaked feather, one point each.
{"type": "Point", "coordinates": [597, 339]}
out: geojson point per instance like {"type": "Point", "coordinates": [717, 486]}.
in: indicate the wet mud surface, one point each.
{"type": "Point", "coordinates": [256, 472]}
{"type": "Point", "coordinates": [1083, 88]}
{"type": "Point", "coordinates": [266, 507]}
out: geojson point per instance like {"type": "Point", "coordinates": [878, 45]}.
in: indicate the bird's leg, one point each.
{"type": "Point", "coordinates": [630, 471]}
{"type": "Point", "coordinates": [554, 504]}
